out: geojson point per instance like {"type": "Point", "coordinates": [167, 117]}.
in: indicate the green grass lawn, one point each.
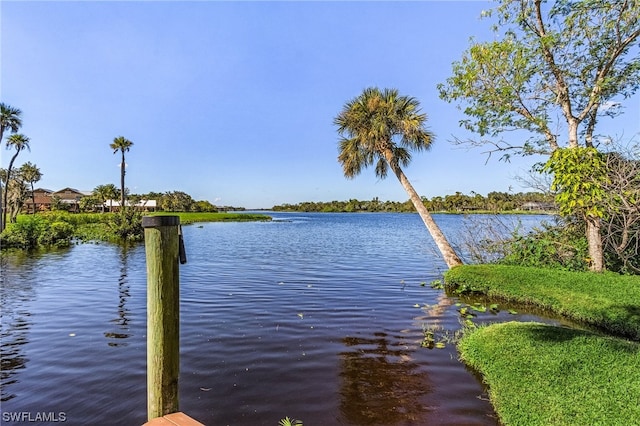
{"type": "Point", "coordinates": [544, 375]}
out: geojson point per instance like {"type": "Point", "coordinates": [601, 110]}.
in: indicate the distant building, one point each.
{"type": "Point", "coordinates": [71, 197]}
{"type": "Point", "coordinates": [145, 205]}
{"type": "Point", "coordinates": [539, 206]}
{"type": "Point", "coordinates": [42, 198]}
{"type": "Point", "coordinates": [45, 198]}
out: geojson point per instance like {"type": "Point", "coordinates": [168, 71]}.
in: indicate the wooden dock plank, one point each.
{"type": "Point", "coordinates": [173, 419]}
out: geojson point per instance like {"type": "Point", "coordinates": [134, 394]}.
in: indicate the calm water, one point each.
{"type": "Point", "coordinates": [318, 317]}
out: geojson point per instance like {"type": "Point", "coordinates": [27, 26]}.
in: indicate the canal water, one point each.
{"type": "Point", "coordinates": [318, 317]}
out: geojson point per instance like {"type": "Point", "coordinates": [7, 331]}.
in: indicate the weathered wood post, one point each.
{"type": "Point", "coordinates": [163, 249]}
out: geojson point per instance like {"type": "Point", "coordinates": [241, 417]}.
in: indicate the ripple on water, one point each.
{"type": "Point", "coordinates": [315, 317]}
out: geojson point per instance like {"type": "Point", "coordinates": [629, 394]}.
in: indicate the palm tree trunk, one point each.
{"type": "Point", "coordinates": [449, 255]}
{"type": "Point", "coordinates": [122, 171]}
{"type": "Point", "coordinates": [33, 198]}
{"type": "Point", "coordinates": [6, 192]}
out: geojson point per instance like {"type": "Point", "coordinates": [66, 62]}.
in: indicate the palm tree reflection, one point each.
{"type": "Point", "coordinates": [124, 292]}
{"type": "Point", "coordinates": [381, 384]}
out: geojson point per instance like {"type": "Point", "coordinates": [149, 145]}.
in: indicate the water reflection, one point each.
{"type": "Point", "coordinates": [15, 321]}
{"type": "Point", "coordinates": [121, 322]}
{"type": "Point", "coordinates": [381, 384]}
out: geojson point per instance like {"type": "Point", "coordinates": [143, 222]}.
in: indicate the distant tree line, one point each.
{"type": "Point", "coordinates": [456, 203]}
{"type": "Point", "coordinates": [170, 201]}
{"type": "Point", "coordinates": [178, 201]}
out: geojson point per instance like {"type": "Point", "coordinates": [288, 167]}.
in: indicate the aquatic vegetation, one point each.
{"type": "Point", "coordinates": [289, 422]}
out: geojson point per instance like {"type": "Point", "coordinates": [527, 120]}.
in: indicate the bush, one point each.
{"type": "Point", "coordinates": [36, 230]}
{"type": "Point", "coordinates": [23, 234]}
{"type": "Point", "coordinates": [127, 225]}
{"type": "Point", "coordinates": [562, 246]}
{"type": "Point", "coordinates": [58, 234]}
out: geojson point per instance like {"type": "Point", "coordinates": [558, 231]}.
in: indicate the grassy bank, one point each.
{"type": "Point", "coordinates": [60, 228]}
{"type": "Point", "coordinates": [608, 301]}
{"type": "Point", "coordinates": [544, 375]}
{"type": "Point", "coordinates": [188, 218]}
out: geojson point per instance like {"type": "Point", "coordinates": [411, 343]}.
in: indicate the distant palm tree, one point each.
{"type": "Point", "coordinates": [106, 192]}
{"type": "Point", "coordinates": [31, 174]}
{"type": "Point", "coordinates": [100, 192]}
{"type": "Point", "coordinates": [121, 144]}
{"type": "Point", "coordinates": [382, 127]}
{"type": "Point", "coordinates": [20, 143]}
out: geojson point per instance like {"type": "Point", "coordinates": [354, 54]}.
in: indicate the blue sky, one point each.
{"type": "Point", "coordinates": [233, 102]}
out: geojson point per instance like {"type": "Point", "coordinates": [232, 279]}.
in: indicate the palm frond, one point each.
{"type": "Point", "coordinates": [378, 123]}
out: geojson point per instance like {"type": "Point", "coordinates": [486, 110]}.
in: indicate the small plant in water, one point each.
{"type": "Point", "coordinates": [289, 422]}
{"type": "Point", "coordinates": [429, 338]}
{"type": "Point", "coordinates": [437, 284]}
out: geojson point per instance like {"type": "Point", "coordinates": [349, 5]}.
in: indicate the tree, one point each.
{"type": "Point", "coordinates": [19, 142]}
{"type": "Point", "coordinates": [176, 201]}
{"type": "Point", "coordinates": [106, 192]}
{"type": "Point", "coordinates": [31, 174]}
{"type": "Point", "coordinates": [17, 192]}
{"type": "Point", "coordinates": [383, 127]}
{"type": "Point", "coordinates": [100, 192]}
{"type": "Point", "coordinates": [9, 119]}
{"type": "Point", "coordinates": [562, 66]}
{"type": "Point", "coordinates": [112, 192]}
{"type": "Point", "coordinates": [621, 225]}
{"type": "Point", "coordinates": [580, 176]}
{"type": "Point", "coordinates": [121, 144]}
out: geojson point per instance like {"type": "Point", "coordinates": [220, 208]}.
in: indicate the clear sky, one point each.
{"type": "Point", "coordinates": [233, 102]}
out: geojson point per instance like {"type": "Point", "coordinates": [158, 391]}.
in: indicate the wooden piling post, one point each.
{"type": "Point", "coordinates": [163, 313]}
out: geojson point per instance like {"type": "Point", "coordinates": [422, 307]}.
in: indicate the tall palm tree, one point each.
{"type": "Point", "coordinates": [383, 127]}
{"type": "Point", "coordinates": [19, 142]}
{"type": "Point", "coordinates": [9, 119]}
{"type": "Point", "coordinates": [121, 144]}
{"type": "Point", "coordinates": [31, 174]}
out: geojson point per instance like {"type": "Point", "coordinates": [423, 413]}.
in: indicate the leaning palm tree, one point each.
{"type": "Point", "coordinates": [20, 143]}
{"type": "Point", "coordinates": [9, 119]}
{"type": "Point", "coordinates": [31, 174]}
{"type": "Point", "coordinates": [382, 127]}
{"type": "Point", "coordinates": [121, 144]}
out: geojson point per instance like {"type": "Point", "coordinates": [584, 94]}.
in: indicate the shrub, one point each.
{"type": "Point", "coordinates": [24, 234]}
{"type": "Point", "coordinates": [561, 245]}
{"type": "Point", "coordinates": [127, 225]}
{"type": "Point", "coordinates": [58, 234]}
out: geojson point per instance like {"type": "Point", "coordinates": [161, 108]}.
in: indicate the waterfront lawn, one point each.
{"type": "Point", "coordinates": [188, 218]}
{"type": "Point", "coordinates": [543, 375]}
{"type": "Point", "coordinates": [608, 301]}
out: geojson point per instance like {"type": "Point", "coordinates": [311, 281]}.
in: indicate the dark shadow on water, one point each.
{"type": "Point", "coordinates": [381, 384]}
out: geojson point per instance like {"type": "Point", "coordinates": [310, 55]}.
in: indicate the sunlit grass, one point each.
{"type": "Point", "coordinates": [544, 375]}
{"type": "Point", "coordinates": [187, 218]}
